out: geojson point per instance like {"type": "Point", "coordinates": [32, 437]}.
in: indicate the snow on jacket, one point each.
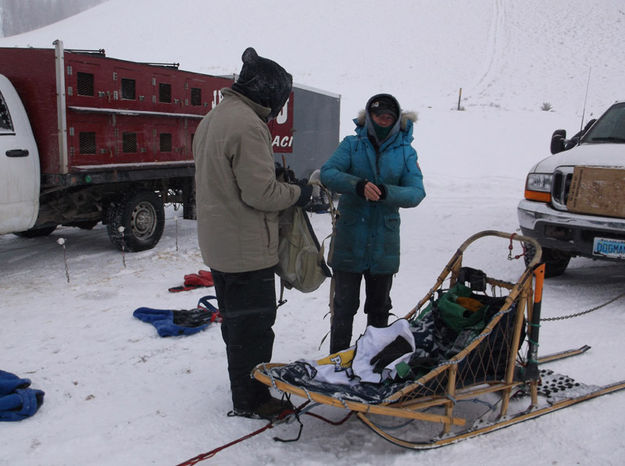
{"type": "Point", "coordinates": [238, 198]}
{"type": "Point", "coordinates": [367, 233]}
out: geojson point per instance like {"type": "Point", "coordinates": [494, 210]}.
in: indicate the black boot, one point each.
{"type": "Point", "coordinates": [379, 319]}
{"type": "Point", "coordinates": [340, 335]}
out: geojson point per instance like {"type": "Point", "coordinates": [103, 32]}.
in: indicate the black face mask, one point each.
{"type": "Point", "coordinates": [381, 132]}
{"type": "Point", "coordinates": [264, 81]}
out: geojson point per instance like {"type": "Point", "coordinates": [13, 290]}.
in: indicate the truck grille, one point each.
{"type": "Point", "coordinates": [561, 184]}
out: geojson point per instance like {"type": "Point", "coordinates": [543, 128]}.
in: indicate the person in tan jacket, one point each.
{"type": "Point", "coordinates": [238, 201]}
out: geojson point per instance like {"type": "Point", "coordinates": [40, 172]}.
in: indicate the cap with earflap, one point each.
{"type": "Point", "coordinates": [383, 104]}
{"type": "Point", "coordinates": [263, 81]}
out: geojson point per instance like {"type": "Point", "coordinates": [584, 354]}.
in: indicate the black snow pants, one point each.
{"type": "Point", "coordinates": [347, 300]}
{"type": "Point", "coordinates": [247, 303]}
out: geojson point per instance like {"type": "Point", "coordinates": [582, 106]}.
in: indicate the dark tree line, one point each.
{"type": "Point", "coordinates": [19, 16]}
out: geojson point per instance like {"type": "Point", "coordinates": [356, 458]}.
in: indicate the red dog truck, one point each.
{"type": "Point", "coordinates": [85, 138]}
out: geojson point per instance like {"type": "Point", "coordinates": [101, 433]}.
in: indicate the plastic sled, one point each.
{"type": "Point", "coordinates": [495, 380]}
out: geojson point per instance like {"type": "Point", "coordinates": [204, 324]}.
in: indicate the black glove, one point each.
{"type": "Point", "coordinates": [193, 317]}
{"type": "Point", "coordinates": [360, 188]}
{"type": "Point", "coordinates": [398, 347]}
{"type": "Point", "coordinates": [305, 193]}
{"type": "Point", "coordinates": [382, 189]}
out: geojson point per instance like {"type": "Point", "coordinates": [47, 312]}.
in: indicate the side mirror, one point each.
{"type": "Point", "coordinates": [557, 141]}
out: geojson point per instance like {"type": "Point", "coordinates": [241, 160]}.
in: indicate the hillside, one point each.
{"type": "Point", "coordinates": [503, 54]}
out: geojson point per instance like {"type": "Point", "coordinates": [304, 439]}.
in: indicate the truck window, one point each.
{"type": "Point", "coordinates": [165, 142]}
{"type": "Point", "coordinates": [6, 125]}
{"type": "Point", "coordinates": [129, 142]}
{"type": "Point", "coordinates": [84, 84]}
{"type": "Point", "coordinates": [610, 126]}
{"type": "Point", "coordinates": [164, 92]}
{"type": "Point", "coordinates": [196, 96]}
{"type": "Point", "coordinates": [128, 89]}
{"type": "Point", "coordinates": [86, 143]}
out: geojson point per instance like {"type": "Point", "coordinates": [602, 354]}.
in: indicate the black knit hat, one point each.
{"type": "Point", "coordinates": [382, 104]}
{"type": "Point", "coordinates": [263, 81]}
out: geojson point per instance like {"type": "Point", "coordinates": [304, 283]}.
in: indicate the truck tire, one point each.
{"type": "Point", "coordinates": [142, 216]}
{"type": "Point", "coordinates": [37, 232]}
{"type": "Point", "coordinates": [555, 261]}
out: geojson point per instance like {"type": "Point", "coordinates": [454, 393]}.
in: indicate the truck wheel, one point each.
{"type": "Point", "coordinates": [36, 232]}
{"type": "Point", "coordinates": [555, 261]}
{"type": "Point", "coordinates": [142, 216]}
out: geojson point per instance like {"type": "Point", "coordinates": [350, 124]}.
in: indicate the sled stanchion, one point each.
{"type": "Point", "coordinates": [451, 392]}
{"type": "Point", "coordinates": [531, 370]}
{"type": "Point", "coordinates": [523, 303]}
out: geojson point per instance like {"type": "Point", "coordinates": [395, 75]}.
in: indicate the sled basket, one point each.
{"type": "Point", "coordinates": [485, 378]}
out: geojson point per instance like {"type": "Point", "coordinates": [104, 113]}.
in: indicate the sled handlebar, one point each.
{"type": "Point", "coordinates": [512, 237]}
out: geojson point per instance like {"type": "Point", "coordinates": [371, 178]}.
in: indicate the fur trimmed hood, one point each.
{"type": "Point", "coordinates": [403, 118]}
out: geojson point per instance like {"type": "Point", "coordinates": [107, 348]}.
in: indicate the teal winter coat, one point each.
{"type": "Point", "coordinates": [367, 233]}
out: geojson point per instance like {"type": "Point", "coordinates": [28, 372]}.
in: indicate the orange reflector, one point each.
{"type": "Point", "coordinates": [537, 196]}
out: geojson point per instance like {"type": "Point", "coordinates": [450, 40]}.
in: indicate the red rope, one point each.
{"type": "Point", "coordinates": [269, 425]}
{"type": "Point", "coordinates": [210, 454]}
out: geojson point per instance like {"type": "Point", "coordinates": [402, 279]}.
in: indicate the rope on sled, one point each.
{"type": "Point", "coordinates": [210, 454]}
{"type": "Point", "coordinates": [283, 417]}
{"type": "Point", "coordinates": [588, 311]}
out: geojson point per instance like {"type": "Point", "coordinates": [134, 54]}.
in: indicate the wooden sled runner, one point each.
{"type": "Point", "coordinates": [494, 381]}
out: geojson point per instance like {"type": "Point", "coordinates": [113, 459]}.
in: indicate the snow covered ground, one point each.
{"type": "Point", "coordinates": [117, 394]}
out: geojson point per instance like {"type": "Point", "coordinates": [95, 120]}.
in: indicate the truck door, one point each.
{"type": "Point", "coordinates": [19, 164]}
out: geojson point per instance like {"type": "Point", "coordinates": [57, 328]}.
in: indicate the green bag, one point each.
{"type": "Point", "coordinates": [301, 259]}
{"type": "Point", "coordinates": [455, 316]}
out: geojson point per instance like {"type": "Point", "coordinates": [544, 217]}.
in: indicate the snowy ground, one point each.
{"type": "Point", "coordinates": [117, 394]}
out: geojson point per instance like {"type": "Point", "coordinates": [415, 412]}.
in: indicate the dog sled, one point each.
{"type": "Point", "coordinates": [484, 373]}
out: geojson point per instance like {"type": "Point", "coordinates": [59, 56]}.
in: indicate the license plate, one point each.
{"type": "Point", "coordinates": [607, 247]}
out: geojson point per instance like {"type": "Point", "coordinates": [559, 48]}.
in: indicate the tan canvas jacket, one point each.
{"type": "Point", "coordinates": [237, 195]}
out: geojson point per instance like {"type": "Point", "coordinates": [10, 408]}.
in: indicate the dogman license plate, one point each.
{"type": "Point", "coordinates": [608, 247]}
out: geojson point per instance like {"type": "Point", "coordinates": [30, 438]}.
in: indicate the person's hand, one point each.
{"type": "Point", "coordinates": [305, 193]}
{"type": "Point", "coordinates": [371, 192]}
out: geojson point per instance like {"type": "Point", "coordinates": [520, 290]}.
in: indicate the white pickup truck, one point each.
{"type": "Point", "coordinates": [574, 201]}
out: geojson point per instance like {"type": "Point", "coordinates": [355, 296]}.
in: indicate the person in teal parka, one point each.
{"type": "Point", "coordinates": [376, 172]}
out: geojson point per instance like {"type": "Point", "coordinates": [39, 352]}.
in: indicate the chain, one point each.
{"type": "Point", "coordinates": [511, 247]}
{"type": "Point", "coordinates": [570, 316]}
